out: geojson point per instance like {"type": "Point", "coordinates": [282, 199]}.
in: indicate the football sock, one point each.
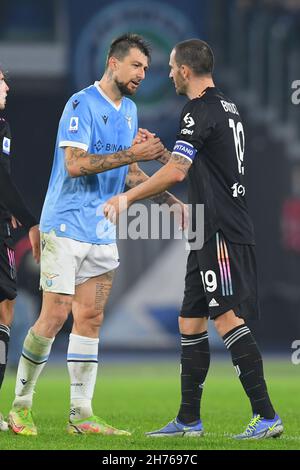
{"type": "Point", "coordinates": [36, 350]}
{"type": "Point", "coordinates": [248, 363]}
{"type": "Point", "coordinates": [82, 365]}
{"type": "Point", "coordinates": [4, 341]}
{"type": "Point", "coordinates": [195, 359]}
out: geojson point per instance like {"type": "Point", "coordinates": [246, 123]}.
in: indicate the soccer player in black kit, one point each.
{"type": "Point", "coordinates": [13, 212]}
{"type": "Point", "coordinates": [221, 277]}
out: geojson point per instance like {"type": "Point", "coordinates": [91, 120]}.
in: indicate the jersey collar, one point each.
{"type": "Point", "coordinates": [117, 108]}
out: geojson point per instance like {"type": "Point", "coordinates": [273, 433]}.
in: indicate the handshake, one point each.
{"type": "Point", "coordinates": [146, 146]}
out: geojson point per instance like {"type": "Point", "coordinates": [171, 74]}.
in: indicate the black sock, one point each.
{"type": "Point", "coordinates": [195, 358]}
{"type": "Point", "coordinates": [4, 340]}
{"type": "Point", "coordinates": [248, 363]}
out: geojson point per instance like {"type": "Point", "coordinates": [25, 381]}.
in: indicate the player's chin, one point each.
{"type": "Point", "coordinates": [131, 90]}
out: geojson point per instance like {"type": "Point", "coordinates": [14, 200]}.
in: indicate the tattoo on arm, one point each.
{"type": "Point", "coordinates": [90, 164]}
{"type": "Point", "coordinates": [136, 176]}
{"type": "Point", "coordinates": [181, 163]}
{"type": "Point", "coordinates": [165, 157]}
{"type": "Point", "coordinates": [163, 198]}
{"type": "Point", "coordinates": [72, 155]}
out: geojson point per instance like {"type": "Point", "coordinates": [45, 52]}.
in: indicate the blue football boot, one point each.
{"type": "Point", "coordinates": [261, 428]}
{"type": "Point", "coordinates": [177, 429]}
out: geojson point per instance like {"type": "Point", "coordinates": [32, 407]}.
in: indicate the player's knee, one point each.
{"type": "Point", "coordinates": [89, 316]}
{"type": "Point", "coordinates": [51, 322]}
{"type": "Point", "coordinates": [56, 322]}
{"type": "Point", "coordinates": [192, 326]}
{"type": "Point", "coordinates": [227, 322]}
{"type": "Point", "coordinates": [96, 319]}
{"type": "Point", "coordinates": [7, 312]}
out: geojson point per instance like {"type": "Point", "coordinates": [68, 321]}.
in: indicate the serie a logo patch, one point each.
{"type": "Point", "coordinates": [74, 122]}
{"type": "Point", "coordinates": [6, 145]}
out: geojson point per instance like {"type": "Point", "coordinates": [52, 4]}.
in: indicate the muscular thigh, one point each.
{"type": "Point", "coordinates": [91, 297]}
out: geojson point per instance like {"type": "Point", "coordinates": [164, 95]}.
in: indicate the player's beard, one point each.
{"type": "Point", "coordinates": [123, 88]}
{"type": "Point", "coordinates": [181, 86]}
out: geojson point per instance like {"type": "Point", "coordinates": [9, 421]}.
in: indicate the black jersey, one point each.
{"type": "Point", "coordinates": [5, 139]}
{"type": "Point", "coordinates": [212, 129]}
{"type": "Point", "coordinates": [10, 199]}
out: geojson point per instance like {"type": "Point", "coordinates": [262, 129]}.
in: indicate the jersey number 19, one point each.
{"type": "Point", "coordinates": [239, 143]}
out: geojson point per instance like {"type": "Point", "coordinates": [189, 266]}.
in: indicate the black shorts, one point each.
{"type": "Point", "coordinates": [8, 277]}
{"type": "Point", "coordinates": [220, 277]}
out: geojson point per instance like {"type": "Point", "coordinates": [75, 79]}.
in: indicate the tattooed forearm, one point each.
{"type": "Point", "coordinates": [165, 157]}
{"type": "Point", "coordinates": [81, 163]}
{"type": "Point", "coordinates": [73, 155]}
{"type": "Point", "coordinates": [164, 198]}
{"type": "Point", "coordinates": [136, 176]}
{"type": "Point", "coordinates": [107, 162]}
{"type": "Point", "coordinates": [181, 163]}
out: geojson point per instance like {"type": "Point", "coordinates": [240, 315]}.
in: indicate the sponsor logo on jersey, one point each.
{"type": "Point", "coordinates": [185, 149]}
{"type": "Point", "coordinates": [98, 145]}
{"type": "Point", "coordinates": [6, 145]}
{"type": "Point", "coordinates": [115, 147]}
{"type": "Point", "coordinates": [189, 121]}
{"type": "Point", "coordinates": [105, 119]}
{"type": "Point", "coordinates": [74, 122]}
{"type": "Point", "coordinates": [187, 131]}
{"type": "Point", "coordinates": [109, 147]}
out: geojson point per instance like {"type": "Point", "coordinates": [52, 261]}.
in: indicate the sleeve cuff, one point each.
{"type": "Point", "coordinates": [70, 143]}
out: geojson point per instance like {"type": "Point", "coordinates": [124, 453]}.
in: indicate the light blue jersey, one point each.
{"type": "Point", "coordinates": [74, 206]}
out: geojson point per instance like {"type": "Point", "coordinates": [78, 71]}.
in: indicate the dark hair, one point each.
{"type": "Point", "coordinates": [121, 46]}
{"type": "Point", "coordinates": [196, 54]}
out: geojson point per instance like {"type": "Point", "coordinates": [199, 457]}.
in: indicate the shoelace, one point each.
{"type": "Point", "coordinates": [252, 425]}
{"type": "Point", "coordinates": [26, 415]}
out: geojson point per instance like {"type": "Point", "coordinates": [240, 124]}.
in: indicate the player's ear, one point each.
{"type": "Point", "coordinates": [185, 71]}
{"type": "Point", "coordinates": [113, 63]}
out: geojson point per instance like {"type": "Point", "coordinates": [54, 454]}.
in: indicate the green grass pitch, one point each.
{"type": "Point", "coordinates": [142, 396]}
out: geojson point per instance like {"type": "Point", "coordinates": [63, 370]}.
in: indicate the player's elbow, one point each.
{"type": "Point", "coordinates": [72, 170]}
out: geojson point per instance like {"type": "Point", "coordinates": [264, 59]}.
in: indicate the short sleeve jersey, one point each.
{"type": "Point", "coordinates": [74, 206]}
{"type": "Point", "coordinates": [212, 137]}
{"type": "Point", "coordinates": [5, 156]}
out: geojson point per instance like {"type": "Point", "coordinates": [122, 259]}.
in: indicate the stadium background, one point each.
{"type": "Point", "coordinates": [52, 48]}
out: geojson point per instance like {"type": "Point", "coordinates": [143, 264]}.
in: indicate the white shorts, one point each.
{"type": "Point", "coordinates": [66, 263]}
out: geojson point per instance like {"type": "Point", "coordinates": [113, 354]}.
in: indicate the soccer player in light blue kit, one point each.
{"type": "Point", "coordinates": [95, 155]}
